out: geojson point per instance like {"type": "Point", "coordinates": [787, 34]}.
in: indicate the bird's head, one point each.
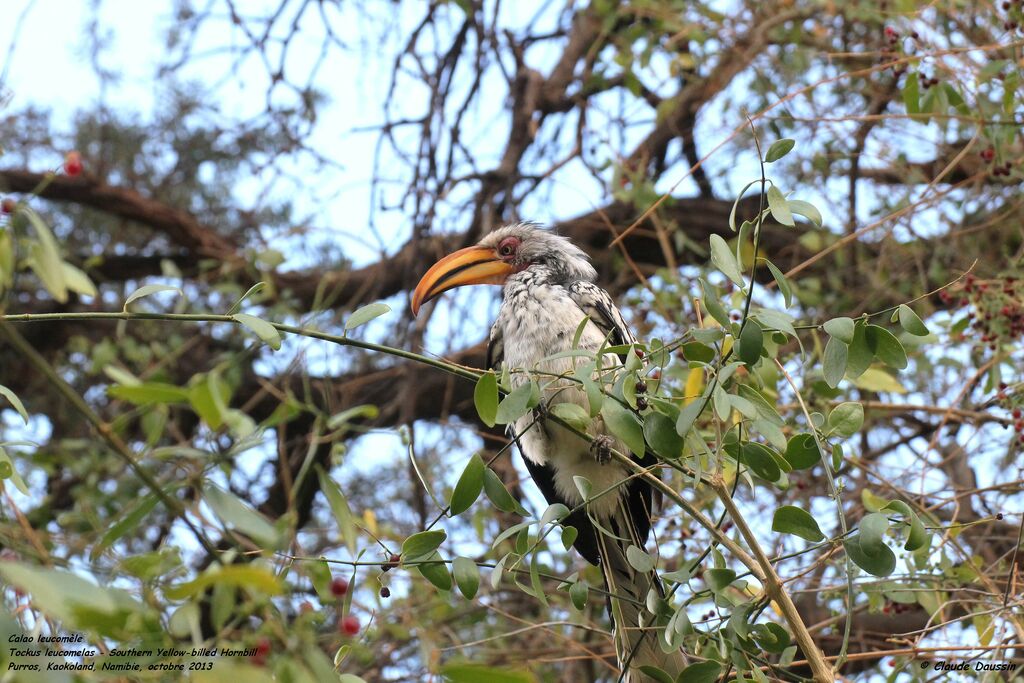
{"type": "Point", "coordinates": [500, 255]}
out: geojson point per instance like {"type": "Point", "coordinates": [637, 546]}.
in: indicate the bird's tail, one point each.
{"type": "Point", "coordinates": [636, 641]}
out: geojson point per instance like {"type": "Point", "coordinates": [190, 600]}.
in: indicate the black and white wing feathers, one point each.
{"type": "Point", "coordinates": [598, 305]}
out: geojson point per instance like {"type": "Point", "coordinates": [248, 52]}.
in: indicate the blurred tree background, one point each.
{"type": "Point", "coordinates": [225, 494]}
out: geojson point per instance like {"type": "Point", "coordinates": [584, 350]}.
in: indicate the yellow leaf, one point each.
{"type": "Point", "coordinates": [694, 386]}
{"type": "Point", "coordinates": [370, 521]}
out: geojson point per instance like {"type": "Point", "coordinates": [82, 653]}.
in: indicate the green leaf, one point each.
{"type": "Point", "coordinates": [702, 672]}
{"type": "Point", "coordinates": [149, 393]}
{"type": "Point", "coordinates": [910, 322]}
{"type": "Point", "coordinates": [779, 207]}
{"type": "Point", "coordinates": [516, 404]}
{"type": "Point", "coordinates": [264, 330]}
{"type": "Point", "coordinates": [912, 93]}
{"type": "Point", "coordinates": [497, 493]}
{"type": "Point", "coordinates": [77, 281]}
{"type": "Point", "coordinates": [751, 342]}
{"type": "Point", "coordinates": [881, 562]}
{"type": "Point", "coordinates": [656, 674]}
{"type": "Point", "coordinates": [802, 452]}
{"type": "Point", "coordinates": [15, 402]}
{"type": "Point", "coordinates": [840, 328]}
{"type": "Point", "coordinates": [7, 471]}
{"type": "Point", "coordinates": [469, 486]}
{"type": "Point", "coordinates": [595, 397]}
{"type": "Point", "coordinates": [760, 461]}
{"type": "Point", "coordinates": [779, 149]}
{"type": "Point", "coordinates": [790, 519]}
{"type": "Point", "coordinates": [148, 290]}
{"type": "Point", "coordinates": [713, 305]}
{"type": "Point", "coordinates": [209, 396]}
{"type": "Point", "coordinates": [780, 279]}
{"type": "Point", "coordinates": [846, 418]}
{"type": "Point", "coordinates": [834, 365]}
{"type": "Point", "coordinates": [660, 433]}
{"type": "Point", "coordinates": [340, 508]}
{"type": "Point", "coordinates": [917, 537]}
{"type": "Point", "coordinates": [366, 411]}
{"type": "Point", "coordinates": [719, 579]}
{"type": "Point", "coordinates": [689, 415]}
{"type": "Point", "coordinates": [365, 314]}
{"type": "Point", "coordinates": [572, 413]}
{"type": "Point", "coordinates": [725, 261]}
{"type": "Point", "coordinates": [475, 673]}
{"type": "Point", "coordinates": [252, 291]}
{"type": "Point", "coordinates": [805, 209]}
{"type": "Point", "coordinates": [46, 260]}
{"type": "Point", "coordinates": [770, 636]}
{"type": "Point", "coordinates": [422, 543]}
{"type": "Point", "coordinates": [240, 516]}
{"type": "Point", "coordinates": [485, 397]}
{"type": "Point", "coordinates": [639, 559]}
{"type": "Point", "coordinates": [872, 531]}
{"type": "Point", "coordinates": [434, 570]}
{"type": "Point", "coordinates": [860, 353]}
{"type": "Point", "coordinates": [622, 423]}
{"type": "Point", "coordinates": [467, 576]}
{"type": "Point", "coordinates": [578, 593]}
{"type": "Point", "coordinates": [886, 347]}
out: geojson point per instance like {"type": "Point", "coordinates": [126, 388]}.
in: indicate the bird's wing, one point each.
{"type": "Point", "coordinates": [598, 305]}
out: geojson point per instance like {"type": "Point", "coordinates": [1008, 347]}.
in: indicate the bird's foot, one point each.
{"type": "Point", "coordinates": [601, 448]}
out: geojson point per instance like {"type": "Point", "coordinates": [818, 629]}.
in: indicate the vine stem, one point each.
{"type": "Point", "coordinates": [776, 591]}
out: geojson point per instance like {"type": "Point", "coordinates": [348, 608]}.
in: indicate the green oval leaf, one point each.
{"type": "Point", "coordinates": [434, 570]}
{"type": "Point", "coordinates": [485, 397]}
{"type": "Point", "coordinates": [622, 423]}
{"type": "Point", "coordinates": [802, 452]}
{"type": "Point", "coordinates": [840, 328]}
{"type": "Point", "coordinates": [886, 347]}
{"type": "Point", "coordinates": [264, 330]}
{"type": "Point", "coordinates": [779, 149]}
{"type": "Point", "coordinates": [834, 361]}
{"type": "Point", "coordinates": [422, 543]}
{"type": "Point", "coordinates": [846, 418]}
{"type": "Point", "coordinates": [660, 433]}
{"type": "Point", "coordinates": [725, 261]}
{"type": "Point", "coordinates": [572, 413]}
{"type": "Point", "coordinates": [703, 672]}
{"type": "Point", "coordinates": [363, 315]}
{"type": "Point", "coordinates": [790, 519]}
{"type": "Point", "coordinates": [911, 322]}
{"type": "Point", "coordinates": [881, 562]}
{"type": "Point", "coordinates": [469, 486]}
{"type": "Point", "coordinates": [578, 593]}
{"type": "Point", "coordinates": [719, 579]}
{"type": "Point", "coordinates": [779, 207]}
{"type": "Point", "coordinates": [516, 404]}
{"type": "Point", "coordinates": [15, 402]}
{"type": "Point", "coordinates": [639, 559]}
{"type": "Point", "coordinates": [467, 576]}
{"type": "Point", "coordinates": [148, 290]}
{"type": "Point", "coordinates": [497, 493]}
{"type": "Point", "coordinates": [751, 342]}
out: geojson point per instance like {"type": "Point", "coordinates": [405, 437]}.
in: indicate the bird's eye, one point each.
{"type": "Point", "coordinates": [508, 246]}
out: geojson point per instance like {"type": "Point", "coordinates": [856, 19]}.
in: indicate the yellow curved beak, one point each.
{"type": "Point", "coordinates": [469, 266]}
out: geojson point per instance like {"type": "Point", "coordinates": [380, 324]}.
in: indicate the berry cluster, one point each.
{"type": "Point", "coordinates": [1012, 402]}
{"type": "Point", "coordinates": [998, 308]}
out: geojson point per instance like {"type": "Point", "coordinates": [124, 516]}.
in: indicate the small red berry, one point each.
{"type": "Point", "coordinates": [999, 516]}
{"type": "Point", "coordinates": [392, 562]}
{"type": "Point", "coordinates": [988, 154]}
{"type": "Point", "coordinates": [306, 607]}
{"type": "Point", "coordinates": [259, 658]}
{"type": "Point", "coordinates": [385, 592]}
{"type": "Point", "coordinates": [73, 163]}
{"type": "Point", "coordinates": [350, 625]}
{"type": "Point", "coordinates": [339, 587]}
{"type": "Point", "coordinates": [8, 205]}
{"type": "Point", "coordinates": [1016, 413]}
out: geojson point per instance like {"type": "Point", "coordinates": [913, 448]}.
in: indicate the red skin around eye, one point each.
{"type": "Point", "coordinates": [504, 250]}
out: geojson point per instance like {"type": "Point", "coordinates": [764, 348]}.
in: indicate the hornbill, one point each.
{"type": "Point", "coordinates": [548, 291]}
